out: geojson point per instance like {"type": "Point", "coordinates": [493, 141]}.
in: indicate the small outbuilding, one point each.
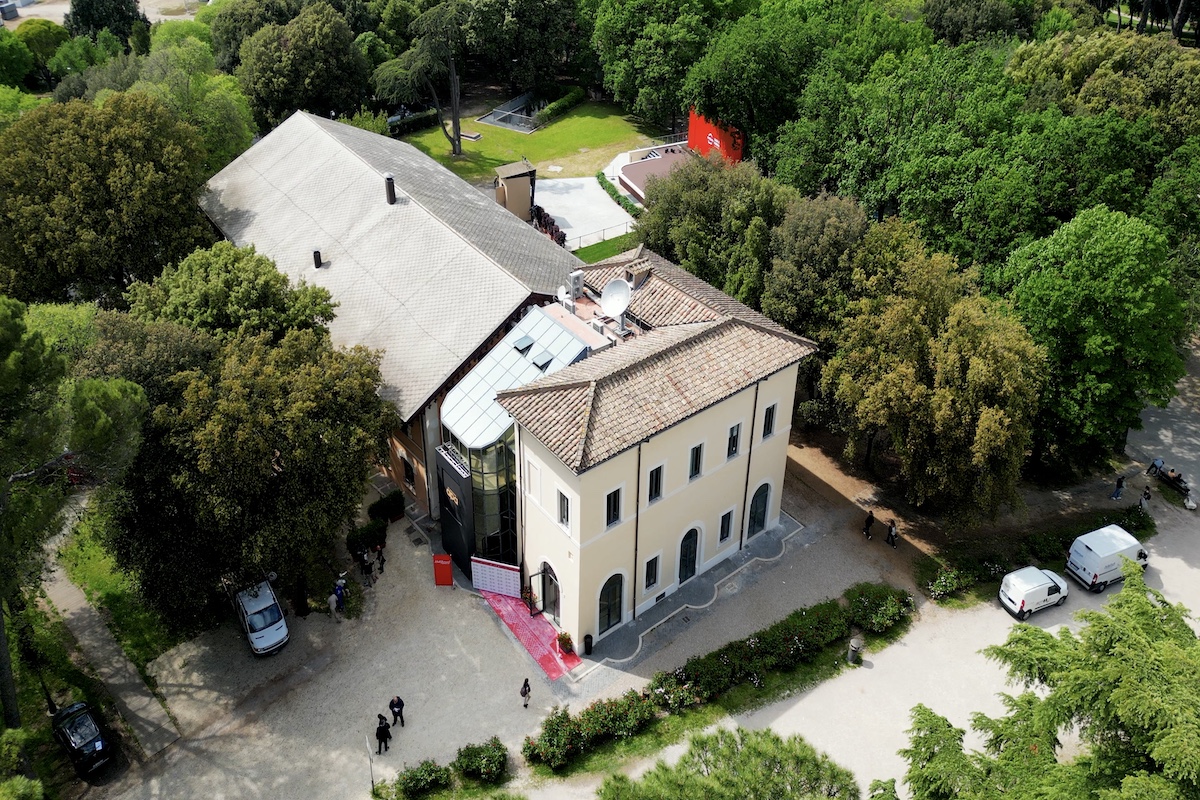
{"type": "Point", "coordinates": [515, 184]}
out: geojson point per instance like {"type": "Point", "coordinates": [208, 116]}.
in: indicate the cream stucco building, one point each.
{"type": "Point", "coordinates": [653, 460]}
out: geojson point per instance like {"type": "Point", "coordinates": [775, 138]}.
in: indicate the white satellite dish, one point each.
{"type": "Point", "coordinates": [562, 294]}
{"type": "Point", "coordinates": [615, 298]}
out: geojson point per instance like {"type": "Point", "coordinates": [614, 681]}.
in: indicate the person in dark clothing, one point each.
{"type": "Point", "coordinates": [870, 523]}
{"type": "Point", "coordinates": [891, 534]}
{"type": "Point", "coordinates": [525, 692]}
{"type": "Point", "coordinates": [1116, 495]}
{"type": "Point", "coordinates": [383, 734]}
{"type": "Point", "coordinates": [379, 559]}
{"type": "Point", "coordinates": [396, 706]}
{"type": "Point", "coordinates": [367, 568]}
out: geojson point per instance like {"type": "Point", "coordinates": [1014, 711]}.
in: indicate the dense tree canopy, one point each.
{"type": "Point", "coordinates": [89, 17]}
{"type": "Point", "coordinates": [229, 291]}
{"type": "Point", "coordinates": [309, 64]}
{"type": "Point", "coordinates": [739, 765]}
{"type": "Point", "coordinates": [15, 59]}
{"type": "Point", "coordinates": [43, 38]}
{"type": "Point", "coordinates": [95, 197]}
{"type": "Point", "coordinates": [1126, 682]}
{"type": "Point", "coordinates": [235, 22]}
{"type": "Point", "coordinates": [1098, 295]}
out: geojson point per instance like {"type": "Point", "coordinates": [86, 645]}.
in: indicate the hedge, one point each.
{"type": "Point", "coordinates": [414, 122]}
{"type": "Point", "coordinates": [876, 607]}
{"type": "Point", "coordinates": [423, 779]}
{"type": "Point", "coordinates": [487, 762]}
{"type": "Point", "coordinates": [565, 738]}
{"type": "Point", "coordinates": [389, 507]}
{"type": "Point", "coordinates": [574, 96]}
{"type": "Point", "coordinates": [367, 537]}
{"type": "Point", "coordinates": [632, 208]}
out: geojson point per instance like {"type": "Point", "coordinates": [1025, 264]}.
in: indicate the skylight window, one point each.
{"type": "Point", "coordinates": [542, 360]}
{"type": "Point", "coordinates": [523, 344]}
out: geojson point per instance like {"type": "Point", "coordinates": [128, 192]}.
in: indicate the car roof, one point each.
{"type": "Point", "coordinates": [257, 597]}
{"type": "Point", "coordinates": [1027, 578]}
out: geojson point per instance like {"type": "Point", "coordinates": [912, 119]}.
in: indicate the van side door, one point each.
{"type": "Point", "coordinates": [1053, 592]}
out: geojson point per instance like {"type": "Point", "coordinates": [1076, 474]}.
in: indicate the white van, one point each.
{"type": "Point", "coordinates": [1095, 559]}
{"type": "Point", "coordinates": [262, 619]}
{"type": "Point", "coordinates": [1029, 589]}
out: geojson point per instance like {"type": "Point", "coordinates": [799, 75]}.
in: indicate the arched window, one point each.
{"type": "Point", "coordinates": [550, 601]}
{"type": "Point", "coordinates": [758, 510]}
{"type": "Point", "coordinates": [687, 554]}
{"type": "Point", "coordinates": [610, 602]}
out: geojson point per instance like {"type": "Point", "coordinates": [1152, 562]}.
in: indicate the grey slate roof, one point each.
{"type": "Point", "coordinates": [427, 280]}
{"type": "Point", "coordinates": [704, 347]}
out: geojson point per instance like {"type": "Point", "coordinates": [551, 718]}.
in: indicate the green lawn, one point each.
{"type": "Point", "coordinates": [582, 142]}
{"type": "Point", "coordinates": [606, 249]}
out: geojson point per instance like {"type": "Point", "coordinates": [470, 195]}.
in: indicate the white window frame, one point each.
{"type": "Point", "coordinates": [728, 514]}
{"type": "Point", "coordinates": [608, 523]}
{"type": "Point", "coordinates": [564, 510]}
{"type": "Point", "coordinates": [733, 444]}
{"type": "Point", "coordinates": [697, 474]}
{"type": "Point", "coordinates": [661, 469]}
{"type": "Point", "coordinates": [771, 412]}
{"type": "Point", "coordinates": [656, 560]}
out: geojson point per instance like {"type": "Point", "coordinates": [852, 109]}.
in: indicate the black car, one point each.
{"type": "Point", "coordinates": [79, 730]}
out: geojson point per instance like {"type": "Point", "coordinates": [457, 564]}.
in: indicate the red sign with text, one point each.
{"type": "Point", "coordinates": [704, 136]}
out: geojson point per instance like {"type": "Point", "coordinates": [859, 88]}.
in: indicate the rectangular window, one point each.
{"type": "Point", "coordinates": [697, 462]}
{"type": "Point", "coordinates": [769, 421]}
{"type": "Point", "coordinates": [652, 572]}
{"type": "Point", "coordinates": [655, 483]}
{"type": "Point", "coordinates": [564, 510]}
{"type": "Point", "coordinates": [735, 435]}
{"type": "Point", "coordinates": [726, 525]}
{"type": "Point", "coordinates": [612, 511]}
{"type": "Point", "coordinates": [410, 474]}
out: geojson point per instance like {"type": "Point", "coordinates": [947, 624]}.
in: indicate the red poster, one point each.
{"type": "Point", "coordinates": [704, 136]}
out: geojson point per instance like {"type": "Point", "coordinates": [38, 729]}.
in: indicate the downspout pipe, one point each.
{"type": "Point", "coordinates": [749, 458]}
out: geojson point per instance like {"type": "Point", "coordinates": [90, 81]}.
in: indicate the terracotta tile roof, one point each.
{"type": "Point", "coordinates": [607, 403]}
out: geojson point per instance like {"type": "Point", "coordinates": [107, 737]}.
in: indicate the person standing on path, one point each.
{"type": "Point", "coordinates": [367, 568]}
{"type": "Point", "coordinates": [379, 559]}
{"type": "Point", "coordinates": [1116, 495]}
{"type": "Point", "coordinates": [1144, 503]}
{"type": "Point", "coordinates": [396, 706]}
{"type": "Point", "coordinates": [383, 734]}
{"type": "Point", "coordinates": [525, 692]}
{"type": "Point", "coordinates": [333, 609]}
{"type": "Point", "coordinates": [870, 523]}
{"type": "Point", "coordinates": [891, 534]}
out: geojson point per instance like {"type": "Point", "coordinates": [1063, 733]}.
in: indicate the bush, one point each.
{"type": "Point", "coordinates": [414, 122]}
{"type": "Point", "coordinates": [633, 209]}
{"type": "Point", "coordinates": [425, 778]}
{"type": "Point", "coordinates": [388, 508]}
{"type": "Point", "coordinates": [948, 581]}
{"type": "Point", "coordinates": [672, 690]}
{"type": "Point", "coordinates": [487, 762]}
{"type": "Point", "coordinates": [367, 537]}
{"type": "Point", "coordinates": [565, 738]}
{"type": "Point", "coordinates": [876, 607]}
{"type": "Point", "coordinates": [574, 96]}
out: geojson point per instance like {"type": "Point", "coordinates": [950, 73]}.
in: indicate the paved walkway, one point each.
{"type": "Point", "coordinates": [583, 210]}
{"type": "Point", "coordinates": [139, 707]}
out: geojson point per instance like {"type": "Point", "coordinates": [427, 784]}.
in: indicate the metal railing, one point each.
{"type": "Point", "coordinates": [602, 235]}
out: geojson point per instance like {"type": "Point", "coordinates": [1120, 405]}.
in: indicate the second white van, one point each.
{"type": "Point", "coordinates": [1095, 559]}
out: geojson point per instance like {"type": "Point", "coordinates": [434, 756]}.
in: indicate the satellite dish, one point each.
{"type": "Point", "coordinates": [615, 298]}
{"type": "Point", "coordinates": [562, 294]}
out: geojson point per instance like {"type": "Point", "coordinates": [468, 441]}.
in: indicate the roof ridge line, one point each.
{"type": "Point", "coordinates": [577, 456]}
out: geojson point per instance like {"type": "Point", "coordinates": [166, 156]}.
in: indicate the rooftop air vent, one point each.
{"type": "Point", "coordinates": [389, 184]}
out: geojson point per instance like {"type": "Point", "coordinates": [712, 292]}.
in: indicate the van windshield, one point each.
{"type": "Point", "coordinates": [261, 620]}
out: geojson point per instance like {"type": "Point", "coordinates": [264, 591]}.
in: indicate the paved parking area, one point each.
{"type": "Point", "coordinates": [582, 209]}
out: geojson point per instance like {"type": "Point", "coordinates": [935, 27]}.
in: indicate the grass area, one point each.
{"type": "Point", "coordinates": [583, 141]}
{"type": "Point", "coordinates": [141, 632]}
{"type": "Point", "coordinates": [606, 249]}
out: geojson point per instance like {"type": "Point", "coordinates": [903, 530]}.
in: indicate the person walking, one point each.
{"type": "Point", "coordinates": [396, 706]}
{"type": "Point", "coordinates": [366, 568]}
{"type": "Point", "coordinates": [525, 692]}
{"type": "Point", "coordinates": [1144, 503]}
{"type": "Point", "coordinates": [379, 559]}
{"type": "Point", "coordinates": [870, 523]}
{"type": "Point", "coordinates": [339, 589]}
{"type": "Point", "coordinates": [1116, 495]}
{"type": "Point", "coordinates": [891, 534]}
{"type": "Point", "coordinates": [383, 735]}
{"type": "Point", "coordinates": [333, 609]}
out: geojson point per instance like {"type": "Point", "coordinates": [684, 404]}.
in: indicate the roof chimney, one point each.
{"type": "Point", "coordinates": [389, 182]}
{"type": "Point", "coordinates": [316, 259]}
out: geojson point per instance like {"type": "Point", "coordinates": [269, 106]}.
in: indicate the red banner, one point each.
{"type": "Point", "coordinates": [704, 136]}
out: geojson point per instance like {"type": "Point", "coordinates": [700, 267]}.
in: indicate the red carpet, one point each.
{"type": "Point", "coordinates": [536, 634]}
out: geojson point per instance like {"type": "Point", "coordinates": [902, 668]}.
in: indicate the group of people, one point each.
{"type": "Point", "coordinates": [367, 564]}
{"type": "Point", "coordinates": [383, 731]}
{"type": "Point", "coordinates": [891, 529]}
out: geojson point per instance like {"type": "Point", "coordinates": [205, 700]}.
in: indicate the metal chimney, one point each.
{"type": "Point", "coordinates": [316, 259]}
{"type": "Point", "coordinates": [389, 182]}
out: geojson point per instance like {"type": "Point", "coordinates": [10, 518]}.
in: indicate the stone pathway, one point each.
{"type": "Point", "coordinates": [140, 708]}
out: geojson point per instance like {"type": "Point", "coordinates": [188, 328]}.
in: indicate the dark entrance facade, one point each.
{"type": "Point", "coordinates": [687, 555]}
{"type": "Point", "coordinates": [758, 510]}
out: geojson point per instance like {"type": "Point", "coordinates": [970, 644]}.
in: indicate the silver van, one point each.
{"type": "Point", "coordinates": [262, 618]}
{"type": "Point", "coordinates": [1095, 559]}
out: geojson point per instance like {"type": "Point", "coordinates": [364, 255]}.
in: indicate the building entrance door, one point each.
{"type": "Point", "coordinates": [687, 555]}
{"type": "Point", "coordinates": [758, 510]}
{"type": "Point", "coordinates": [550, 594]}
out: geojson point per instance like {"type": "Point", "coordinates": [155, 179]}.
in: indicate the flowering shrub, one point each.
{"type": "Point", "coordinates": [877, 607]}
{"type": "Point", "coordinates": [564, 737]}
{"type": "Point", "coordinates": [425, 778]}
{"type": "Point", "coordinates": [672, 690]}
{"type": "Point", "coordinates": [487, 762]}
{"type": "Point", "coordinates": [564, 641]}
{"type": "Point", "coordinates": [948, 581]}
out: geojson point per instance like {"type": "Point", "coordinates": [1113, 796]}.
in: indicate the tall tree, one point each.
{"type": "Point", "coordinates": [438, 47]}
{"type": "Point", "coordinates": [230, 291]}
{"type": "Point", "coordinates": [1098, 295]}
{"type": "Point", "coordinates": [43, 38]}
{"type": "Point", "coordinates": [89, 17]}
{"type": "Point", "coordinates": [1126, 682]}
{"type": "Point", "coordinates": [235, 22]}
{"type": "Point", "coordinates": [739, 765]}
{"type": "Point", "coordinates": [43, 424]}
{"type": "Point", "coordinates": [15, 59]}
{"type": "Point", "coordinates": [309, 64]}
{"type": "Point", "coordinates": [950, 377]}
